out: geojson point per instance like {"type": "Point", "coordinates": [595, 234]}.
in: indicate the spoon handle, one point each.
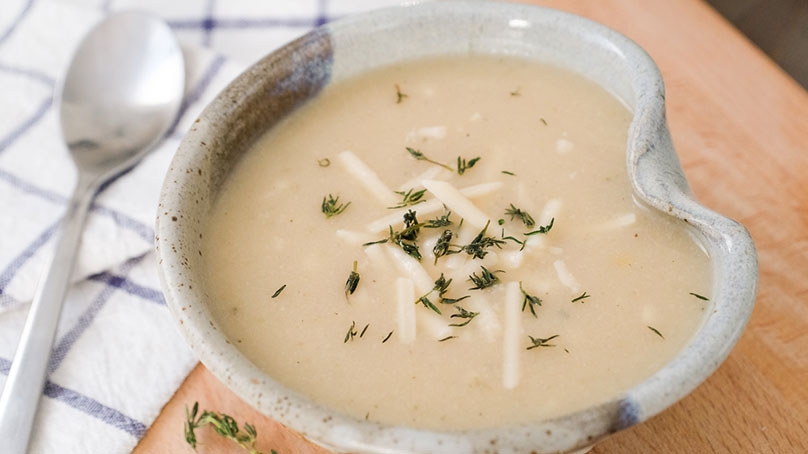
{"type": "Point", "coordinates": [26, 379]}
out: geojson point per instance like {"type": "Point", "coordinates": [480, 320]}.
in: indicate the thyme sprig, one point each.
{"type": "Point", "coordinates": [526, 218]}
{"type": "Point", "coordinates": [441, 247]}
{"type": "Point", "coordinates": [409, 198]}
{"type": "Point", "coordinates": [462, 165]}
{"type": "Point", "coordinates": [477, 247]}
{"type": "Point", "coordinates": [405, 239]}
{"type": "Point", "coordinates": [438, 222]}
{"type": "Point", "coordinates": [351, 332]}
{"type": "Point", "coordinates": [332, 207]}
{"type": "Point", "coordinates": [530, 301]}
{"type": "Point", "coordinates": [441, 287]}
{"type": "Point", "coordinates": [223, 424]}
{"type": "Point", "coordinates": [463, 314]}
{"type": "Point", "coordinates": [417, 154]}
{"type": "Point", "coordinates": [484, 280]}
{"type": "Point", "coordinates": [536, 342]}
{"type": "Point", "coordinates": [542, 229]}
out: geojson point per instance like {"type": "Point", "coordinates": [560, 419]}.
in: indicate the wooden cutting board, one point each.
{"type": "Point", "coordinates": [740, 125]}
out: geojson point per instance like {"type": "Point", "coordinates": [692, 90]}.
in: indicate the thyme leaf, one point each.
{"type": "Point", "coordinates": [386, 338]}
{"type": "Point", "coordinates": [477, 247]}
{"type": "Point", "coordinates": [484, 280]}
{"type": "Point", "coordinates": [539, 342]}
{"type": "Point", "coordinates": [223, 424]}
{"type": "Point", "coordinates": [462, 165]}
{"type": "Point", "coordinates": [417, 154]}
{"type": "Point", "coordinates": [526, 218]}
{"type": "Point", "coordinates": [352, 282]}
{"type": "Point", "coordinates": [400, 95]}
{"type": "Point", "coordinates": [278, 292]}
{"type": "Point", "coordinates": [464, 314]}
{"type": "Point", "coordinates": [703, 298]}
{"type": "Point", "coordinates": [410, 197]}
{"type": "Point", "coordinates": [583, 296]}
{"type": "Point", "coordinates": [332, 207]}
{"type": "Point", "coordinates": [351, 332]}
{"type": "Point", "coordinates": [438, 222]}
{"type": "Point", "coordinates": [447, 338]}
{"type": "Point", "coordinates": [508, 172]}
{"type": "Point", "coordinates": [656, 331]}
{"type": "Point", "coordinates": [442, 245]}
{"type": "Point", "coordinates": [530, 302]}
{"type": "Point", "coordinates": [542, 229]}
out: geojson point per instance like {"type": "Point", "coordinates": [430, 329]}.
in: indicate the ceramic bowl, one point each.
{"type": "Point", "coordinates": [283, 80]}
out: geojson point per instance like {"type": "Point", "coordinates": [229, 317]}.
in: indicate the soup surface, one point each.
{"type": "Point", "coordinates": [452, 244]}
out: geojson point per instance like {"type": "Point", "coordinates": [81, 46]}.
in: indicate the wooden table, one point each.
{"type": "Point", "coordinates": [740, 125]}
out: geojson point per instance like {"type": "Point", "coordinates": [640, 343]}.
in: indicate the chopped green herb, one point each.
{"type": "Point", "coordinates": [539, 342]}
{"type": "Point", "coordinates": [515, 240]}
{"type": "Point", "coordinates": [278, 292]}
{"type": "Point", "coordinates": [542, 229]}
{"type": "Point", "coordinates": [325, 162]}
{"type": "Point", "coordinates": [400, 95]}
{"type": "Point", "coordinates": [428, 304]}
{"type": "Point", "coordinates": [656, 331]}
{"type": "Point", "coordinates": [477, 247]}
{"type": "Point", "coordinates": [351, 332]}
{"type": "Point", "coordinates": [462, 165]}
{"type": "Point", "coordinates": [223, 424]}
{"type": "Point", "coordinates": [442, 221]}
{"type": "Point", "coordinates": [507, 172]}
{"type": "Point", "coordinates": [352, 282]}
{"type": "Point", "coordinates": [526, 218]}
{"type": "Point", "coordinates": [406, 238]}
{"type": "Point", "coordinates": [583, 296]}
{"type": "Point", "coordinates": [544, 122]}
{"type": "Point", "coordinates": [441, 286]}
{"type": "Point", "coordinates": [363, 330]}
{"type": "Point", "coordinates": [442, 245]}
{"type": "Point", "coordinates": [410, 197]}
{"type": "Point", "coordinates": [530, 301]}
{"type": "Point", "coordinates": [386, 338]}
{"type": "Point", "coordinates": [464, 314]}
{"type": "Point", "coordinates": [332, 207]}
{"type": "Point", "coordinates": [484, 280]}
{"type": "Point", "coordinates": [447, 338]}
{"type": "Point", "coordinates": [417, 154]}
{"type": "Point", "coordinates": [704, 298]}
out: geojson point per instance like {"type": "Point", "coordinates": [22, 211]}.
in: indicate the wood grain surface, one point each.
{"type": "Point", "coordinates": [740, 125]}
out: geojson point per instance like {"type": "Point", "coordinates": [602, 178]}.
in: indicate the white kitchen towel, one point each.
{"type": "Point", "coordinates": [117, 357]}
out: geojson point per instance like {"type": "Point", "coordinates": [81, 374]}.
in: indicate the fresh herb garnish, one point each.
{"type": "Point", "coordinates": [539, 342]}
{"type": "Point", "coordinates": [278, 292]}
{"type": "Point", "coordinates": [351, 332]}
{"type": "Point", "coordinates": [223, 424]}
{"type": "Point", "coordinates": [508, 172]}
{"type": "Point", "coordinates": [516, 92]}
{"type": "Point", "coordinates": [417, 154]}
{"type": "Point", "coordinates": [442, 221]}
{"type": "Point", "coordinates": [462, 165]}
{"type": "Point", "coordinates": [325, 162]}
{"type": "Point", "coordinates": [526, 218]}
{"type": "Point", "coordinates": [442, 287]}
{"type": "Point", "coordinates": [464, 314]}
{"type": "Point", "coordinates": [386, 338]}
{"type": "Point", "coordinates": [544, 122]}
{"type": "Point", "coordinates": [656, 331]}
{"type": "Point", "coordinates": [352, 282]}
{"type": "Point", "coordinates": [363, 330]}
{"type": "Point", "coordinates": [704, 298]}
{"type": "Point", "coordinates": [405, 239]}
{"type": "Point", "coordinates": [484, 280]}
{"type": "Point", "coordinates": [447, 338]}
{"type": "Point", "coordinates": [530, 301]}
{"type": "Point", "coordinates": [542, 229]}
{"type": "Point", "coordinates": [442, 245]}
{"type": "Point", "coordinates": [477, 247]}
{"type": "Point", "coordinates": [583, 296]}
{"type": "Point", "coordinates": [410, 197]}
{"type": "Point", "coordinates": [332, 207]}
{"type": "Point", "coordinates": [400, 95]}
{"type": "Point", "coordinates": [515, 240]}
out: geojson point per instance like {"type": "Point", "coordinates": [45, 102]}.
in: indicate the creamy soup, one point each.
{"type": "Point", "coordinates": [452, 244]}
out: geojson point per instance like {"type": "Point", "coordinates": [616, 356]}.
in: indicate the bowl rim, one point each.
{"type": "Point", "coordinates": [656, 177]}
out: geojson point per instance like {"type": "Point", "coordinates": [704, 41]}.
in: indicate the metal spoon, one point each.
{"type": "Point", "coordinates": [120, 95]}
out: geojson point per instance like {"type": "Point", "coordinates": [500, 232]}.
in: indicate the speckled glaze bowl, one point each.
{"type": "Point", "coordinates": [283, 80]}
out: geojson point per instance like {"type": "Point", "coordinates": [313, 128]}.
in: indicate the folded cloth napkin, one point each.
{"type": "Point", "coordinates": [117, 358]}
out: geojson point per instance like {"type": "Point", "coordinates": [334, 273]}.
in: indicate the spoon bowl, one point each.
{"type": "Point", "coordinates": [120, 95]}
